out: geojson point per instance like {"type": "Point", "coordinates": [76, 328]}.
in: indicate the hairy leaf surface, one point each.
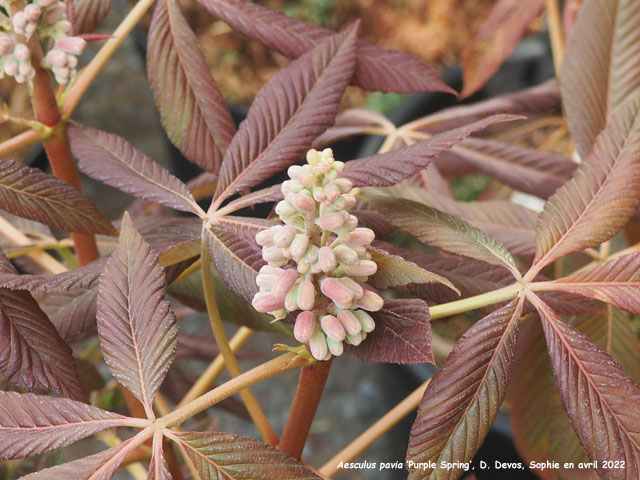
{"type": "Point", "coordinates": [88, 14]}
{"type": "Point", "coordinates": [73, 314]}
{"type": "Point", "coordinates": [602, 195]}
{"type": "Point", "coordinates": [82, 277]}
{"type": "Point", "coordinates": [30, 193]}
{"type": "Point", "coordinates": [136, 326]}
{"type": "Point", "coordinates": [601, 67]}
{"type": "Point", "coordinates": [608, 423]}
{"type": "Point", "coordinates": [384, 169]}
{"type": "Point", "coordinates": [33, 424]}
{"type": "Point", "coordinates": [464, 395]}
{"type": "Point", "coordinates": [115, 162]}
{"type": "Point", "coordinates": [191, 107]}
{"type": "Point", "coordinates": [223, 455]}
{"type": "Point", "coordinates": [402, 334]}
{"type": "Point", "coordinates": [290, 111]}
{"type": "Point", "coordinates": [158, 468]}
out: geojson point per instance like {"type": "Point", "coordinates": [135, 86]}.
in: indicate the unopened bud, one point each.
{"type": "Point", "coordinates": [299, 246]}
{"type": "Point", "coordinates": [282, 238]}
{"type": "Point", "coordinates": [356, 339]}
{"type": "Point", "coordinates": [284, 209]}
{"type": "Point", "coordinates": [291, 186]}
{"type": "Point", "coordinates": [19, 21]}
{"type": "Point", "coordinates": [32, 12]}
{"type": "Point", "coordinates": [306, 295]}
{"type": "Point", "coordinates": [45, 3]}
{"type": "Point", "coordinates": [318, 345]}
{"type": "Point", "coordinates": [346, 255]}
{"type": "Point", "coordinates": [72, 45]}
{"type": "Point", "coordinates": [336, 348]}
{"type": "Point", "coordinates": [361, 236]}
{"type": "Point", "coordinates": [330, 221]}
{"type": "Point", "coordinates": [294, 171]}
{"type": "Point", "coordinates": [304, 326]}
{"type": "Point", "coordinates": [366, 321]}
{"type": "Point", "coordinates": [272, 254]}
{"type": "Point", "coordinates": [56, 58]}
{"type": "Point", "coordinates": [354, 286]}
{"type": "Point", "coordinates": [336, 291]}
{"type": "Point", "coordinates": [63, 26]}
{"type": "Point", "coordinates": [291, 300]}
{"type": "Point", "coordinates": [331, 191]}
{"type": "Point", "coordinates": [350, 322]}
{"type": "Point", "coordinates": [7, 42]}
{"type": "Point", "coordinates": [343, 184]}
{"type": "Point", "coordinates": [313, 157]}
{"type": "Point", "coordinates": [26, 70]}
{"type": "Point", "coordinates": [303, 267]}
{"type": "Point", "coordinates": [307, 179]}
{"type": "Point", "coordinates": [364, 268]}
{"type": "Point", "coordinates": [265, 302]}
{"type": "Point", "coordinates": [311, 255]}
{"type": "Point", "coordinates": [326, 259]}
{"type": "Point", "coordinates": [351, 223]}
{"type": "Point", "coordinates": [265, 238]}
{"type": "Point", "coordinates": [318, 194]}
{"type": "Point", "coordinates": [370, 301]}
{"type": "Point", "coordinates": [302, 202]}
{"type": "Point", "coordinates": [286, 281]}
{"type": "Point", "coordinates": [11, 67]}
{"type": "Point", "coordinates": [333, 328]}
{"type": "Point", "coordinates": [22, 53]}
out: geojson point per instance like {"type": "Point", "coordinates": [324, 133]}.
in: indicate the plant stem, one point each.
{"type": "Point", "coordinates": [257, 415]}
{"type": "Point", "coordinates": [281, 364]}
{"type": "Point", "coordinates": [375, 431]}
{"type": "Point", "coordinates": [555, 33]}
{"type": "Point", "coordinates": [471, 303]}
{"type": "Point", "coordinates": [215, 368]}
{"type": "Point", "coordinates": [57, 146]}
{"type": "Point", "coordinates": [22, 140]}
{"type": "Point", "coordinates": [303, 409]}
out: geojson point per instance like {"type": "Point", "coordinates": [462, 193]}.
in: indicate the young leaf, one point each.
{"type": "Point", "coordinates": [191, 107]}
{"type": "Point", "coordinates": [136, 326]}
{"type": "Point", "coordinates": [394, 271]}
{"type": "Point", "coordinates": [292, 109]}
{"type": "Point", "coordinates": [73, 314]}
{"type": "Point", "coordinates": [608, 425]}
{"type": "Point", "coordinates": [30, 193]}
{"type": "Point", "coordinates": [158, 468]}
{"type": "Point", "coordinates": [464, 395]}
{"type": "Point", "coordinates": [601, 67]}
{"type": "Point", "coordinates": [495, 40]}
{"type": "Point", "coordinates": [32, 354]}
{"type": "Point", "coordinates": [441, 230]}
{"type": "Point", "coordinates": [33, 424]}
{"type": "Point", "coordinates": [264, 195]}
{"type": "Point", "coordinates": [402, 334]}
{"type": "Point", "coordinates": [616, 281]}
{"type": "Point", "coordinates": [88, 14]}
{"type": "Point", "coordinates": [377, 69]}
{"type": "Point", "coordinates": [223, 455]}
{"type": "Point", "coordinates": [115, 162]}
{"type": "Point", "coordinates": [385, 169]}
{"type": "Point", "coordinates": [354, 121]}
{"type": "Point", "coordinates": [600, 198]}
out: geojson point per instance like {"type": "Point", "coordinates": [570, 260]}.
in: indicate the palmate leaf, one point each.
{"type": "Point", "coordinates": [441, 230]}
{"type": "Point", "coordinates": [402, 334]}
{"type": "Point", "coordinates": [601, 68]}
{"type": "Point", "coordinates": [30, 193]}
{"type": "Point", "coordinates": [32, 354]}
{"type": "Point", "coordinates": [236, 255]}
{"type": "Point", "coordinates": [496, 38]}
{"type": "Point", "coordinates": [354, 121]}
{"type": "Point", "coordinates": [136, 326]}
{"type": "Point", "coordinates": [88, 14]}
{"type": "Point", "coordinates": [264, 195]}
{"type": "Point", "coordinates": [223, 455]}
{"type": "Point", "coordinates": [158, 468]}
{"type": "Point", "coordinates": [385, 169]}
{"type": "Point", "coordinates": [73, 314]}
{"type": "Point", "coordinates": [464, 395]}
{"type": "Point", "coordinates": [608, 424]}
{"type": "Point", "coordinates": [616, 281]}
{"type": "Point", "coordinates": [394, 271]}
{"type": "Point", "coordinates": [600, 198]}
{"type": "Point", "coordinates": [115, 162]}
{"type": "Point", "coordinates": [290, 111]}
{"type": "Point", "coordinates": [33, 424]}
{"type": "Point", "coordinates": [377, 69]}
{"type": "Point", "coordinates": [192, 108]}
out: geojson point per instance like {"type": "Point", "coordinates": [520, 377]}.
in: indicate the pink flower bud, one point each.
{"type": "Point", "coordinates": [32, 12]}
{"type": "Point", "coordinates": [366, 321]}
{"type": "Point", "coordinates": [63, 26]}
{"type": "Point", "coordinates": [361, 236]}
{"type": "Point", "coordinates": [326, 259]}
{"type": "Point", "coordinates": [349, 201]}
{"type": "Point", "coordinates": [285, 210]}
{"type": "Point", "coordinates": [62, 74]}
{"type": "Point", "coordinates": [26, 70]}
{"type": "Point", "coordinates": [336, 291]}
{"type": "Point", "coordinates": [313, 157]}
{"type": "Point", "coordinates": [311, 255]}
{"type": "Point", "coordinates": [299, 246]}
{"type": "Point", "coordinates": [56, 58]}
{"type": "Point", "coordinates": [7, 42]}
{"type": "Point", "coordinates": [265, 302]}
{"type": "Point", "coordinates": [318, 345]}
{"type": "Point", "coordinates": [291, 300]}
{"type": "Point", "coordinates": [19, 21]}
{"type": "Point", "coordinates": [350, 322]}
{"type": "Point", "coordinates": [302, 202]}
{"type": "Point", "coordinates": [346, 255]}
{"type": "Point", "coordinates": [364, 268]}
{"type": "Point", "coordinates": [318, 194]}
{"type": "Point", "coordinates": [331, 191]}
{"type": "Point", "coordinates": [356, 339]}
{"type": "Point", "coordinates": [351, 222]}
{"type": "Point", "coordinates": [303, 267]}
{"type": "Point", "coordinates": [11, 67]}
{"type": "Point", "coordinates": [266, 282]}
{"type": "Point", "coordinates": [307, 179]}
{"type": "Point", "coordinates": [306, 295]}
{"type": "Point", "coordinates": [344, 184]}
{"type": "Point", "coordinates": [336, 348]}
{"type": "Point", "coordinates": [72, 62]}
{"type": "Point", "coordinates": [282, 238]}
{"type": "Point", "coordinates": [304, 326]}
{"type": "Point", "coordinates": [22, 53]}
{"type": "Point", "coordinates": [338, 166]}
{"type": "Point", "coordinates": [272, 254]}
{"type": "Point", "coordinates": [269, 270]}
{"type": "Point", "coordinates": [294, 171]}
{"type": "Point", "coordinates": [333, 328]}
{"type": "Point", "coordinates": [20, 78]}
{"type": "Point", "coordinates": [354, 286]}
{"type": "Point", "coordinates": [370, 301]}
{"type": "Point", "coordinates": [291, 186]}
{"type": "Point", "coordinates": [330, 221]}
{"type": "Point", "coordinates": [72, 45]}
{"type": "Point", "coordinates": [284, 283]}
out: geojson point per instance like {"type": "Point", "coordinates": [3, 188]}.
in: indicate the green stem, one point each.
{"type": "Point", "coordinates": [256, 413]}
{"type": "Point", "coordinates": [478, 301]}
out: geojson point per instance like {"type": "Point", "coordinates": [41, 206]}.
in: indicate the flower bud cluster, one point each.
{"type": "Point", "coordinates": [48, 18]}
{"type": "Point", "coordinates": [317, 262]}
